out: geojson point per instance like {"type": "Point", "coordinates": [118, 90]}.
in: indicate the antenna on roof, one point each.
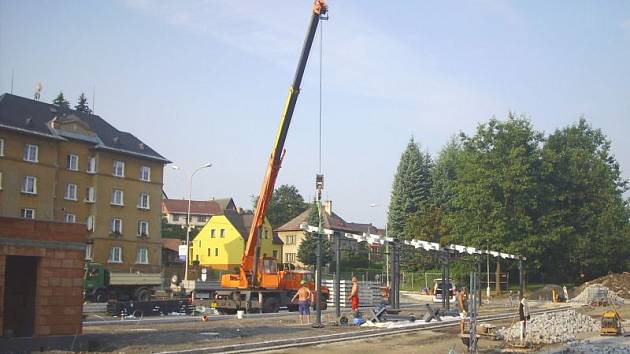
{"type": "Point", "coordinates": [12, 74]}
{"type": "Point", "coordinates": [94, 99]}
{"type": "Point", "coordinates": [38, 90]}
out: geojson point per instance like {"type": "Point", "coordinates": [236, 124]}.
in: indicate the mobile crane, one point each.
{"type": "Point", "coordinates": [259, 284]}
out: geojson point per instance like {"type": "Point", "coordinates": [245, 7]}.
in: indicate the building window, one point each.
{"type": "Point", "coordinates": [1, 147]}
{"type": "Point", "coordinates": [73, 162]}
{"type": "Point", "coordinates": [143, 256]}
{"type": "Point", "coordinates": [145, 174]}
{"type": "Point", "coordinates": [275, 254]}
{"type": "Point", "coordinates": [175, 217]}
{"type": "Point", "coordinates": [209, 252]}
{"type": "Point", "coordinates": [88, 252]}
{"type": "Point", "coordinates": [91, 165]}
{"type": "Point", "coordinates": [115, 255]}
{"type": "Point", "coordinates": [89, 223]}
{"type": "Point", "coordinates": [216, 252]}
{"type": "Point", "coordinates": [116, 226]}
{"type": "Point", "coordinates": [89, 195]}
{"type": "Point", "coordinates": [212, 233]}
{"type": "Point", "coordinates": [290, 257]}
{"type": "Point", "coordinates": [71, 191]}
{"type": "Point", "coordinates": [27, 213]}
{"type": "Point", "coordinates": [117, 197]}
{"type": "Point", "coordinates": [143, 228]}
{"type": "Point", "coordinates": [0, 181]}
{"type": "Point", "coordinates": [71, 218]}
{"type": "Point", "coordinates": [31, 152]}
{"type": "Point", "coordinates": [201, 218]}
{"type": "Point", "coordinates": [119, 169]}
{"type": "Point", "coordinates": [143, 201]}
{"type": "Point", "coordinates": [29, 185]}
{"type": "Point", "coordinates": [222, 233]}
{"type": "Point", "coordinates": [290, 240]}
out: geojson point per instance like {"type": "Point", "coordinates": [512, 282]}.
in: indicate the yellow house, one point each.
{"type": "Point", "coordinates": [221, 242]}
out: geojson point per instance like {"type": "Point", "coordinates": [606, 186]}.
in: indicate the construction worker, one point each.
{"type": "Point", "coordinates": [304, 296]}
{"type": "Point", "coordinates": [462, 305]}
{"type": "Point", "coordinates": [354, 294]}
{"type": "Point", "coordinates": [523, 314]}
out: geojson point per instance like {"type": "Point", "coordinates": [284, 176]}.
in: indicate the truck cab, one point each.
{"type": "Point", "coordinates": [96, 282]}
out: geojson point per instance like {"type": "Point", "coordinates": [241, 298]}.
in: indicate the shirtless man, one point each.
{"type": "Point", "coordinates": [462, 304]}
{"type": "Point", "coordinates": [304, 297]}
{"type": "Point", "coordinates": [354, 294]}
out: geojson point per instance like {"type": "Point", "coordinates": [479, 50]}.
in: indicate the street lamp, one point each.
{"type": "Point", "coordinates": [374, 205]}
{"type": "Point", "coordinates": [208, 165]}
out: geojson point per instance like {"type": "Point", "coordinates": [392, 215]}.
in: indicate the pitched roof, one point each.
{"type": "Point", "coordinates": [331, 221]}
{"type": "Point", "coordinates": [32, 117]}
{"type": "Point", "coordinates": [171, 244]}
{"type": "Point", "coordinates": [242, 221]}
{"type": "Point", "coordinates": [366, 228]}
{"type": "Point", "coordinates": [197, 207]}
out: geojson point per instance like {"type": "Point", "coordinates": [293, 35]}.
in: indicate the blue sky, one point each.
{"type": "Point", "coordinates": [205, 81]}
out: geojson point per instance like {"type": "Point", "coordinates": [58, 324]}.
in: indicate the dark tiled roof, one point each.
{"type": "Point", "coordinates": [276, 239]}
{"type": "Point", "coordinates": [32, 117]}
{"type": "Point", "coordinates": [197, 207]}
{"type": "Point", "coordinates": [365, 228]}
{"type": "Point", "coordinates": [171, 243]}
{"type": "Point", "coordinates": [332, 221]}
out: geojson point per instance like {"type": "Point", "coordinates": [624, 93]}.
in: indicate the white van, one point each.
{"type": "Point", "coordinates": [437, 290]}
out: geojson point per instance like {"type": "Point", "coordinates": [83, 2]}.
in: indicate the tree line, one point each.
{"type": "Point", "coordinates": [81, 106]}
{"type": "Point", "coordinates": [556, 199]}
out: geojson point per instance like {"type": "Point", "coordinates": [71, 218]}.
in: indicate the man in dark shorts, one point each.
{"type": "Point", "coordinates": [304, 297]}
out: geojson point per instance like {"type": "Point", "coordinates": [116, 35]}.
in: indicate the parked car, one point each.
{"type": "Point", "coordinates": [437, 290]}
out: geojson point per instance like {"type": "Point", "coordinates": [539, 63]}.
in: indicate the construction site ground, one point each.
{"type": "Point", "coordinates": [148, 336]}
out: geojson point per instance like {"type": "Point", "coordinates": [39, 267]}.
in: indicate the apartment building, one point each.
{"type": "Point", "coordinates": [61, 165]}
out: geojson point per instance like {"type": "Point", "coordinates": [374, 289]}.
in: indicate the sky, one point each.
{"type": "Point", "coordinates": [205, 81]}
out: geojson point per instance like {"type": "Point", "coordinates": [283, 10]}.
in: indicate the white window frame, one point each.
{"type": "Point", "coordinates": [25, 185]}
{"type": "Point", "coordinates": [291, 258]}
{"type": "Point", "coordinates": [112, 253]}
{"type": "Point", "coordinates": [24, 212]}
{"type": "Point", "coordinates": [89, 252]}
{"type": "Point", "coordinates": [118, 165]}
{"type": "Point", "coordinates": [91, 165]}
{"type": "Point", "coordinates": [1, 146]}
{"type": "Point", "coordinates": [144, 201]}
{"type": "Point", "coordinates": [70, 218]}
{"type": "Point", "coordinates": [142, 257]}
{"type": "Point", "coordinates": [90, 223]}
{"type": "Point", "coordinates": [117, 226]}
{"type": "Point", "coordinates": [71, 192]}
{"type": "Point", "coordinates": [0, 180]}
{"type": "Point", "coordinates": [28, 152]}
{"type": "Point", "coordinates": [72, 162]}
{"type": "Point", "coordinates": [290, 240]}
{"type": "Point", "coordinates": [145, 170]}
{"type": "Point", "coordinates": [90, 195]}
{"type": "Point", "coordinates": [175, 217]}
{"type": "Point", "coordinates": [115, 200]}
{"type": "Point", "coordinates": [143, 225]}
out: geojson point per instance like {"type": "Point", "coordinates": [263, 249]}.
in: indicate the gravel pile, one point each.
{"type": "Point", "coordinates": [619, 283]}
{"type": "Point", "coordinates": [588, 347]}
{"type": "Point", "coordinates": [555, 327]}
{"type": "Point", "coordinates": [594, 294]}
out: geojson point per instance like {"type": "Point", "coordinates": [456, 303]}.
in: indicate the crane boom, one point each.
{"type": "Point", "coordinates": [248, 263]}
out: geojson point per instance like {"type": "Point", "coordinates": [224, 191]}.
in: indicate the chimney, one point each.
{"type": "Point", "coordinates": [328, 206]}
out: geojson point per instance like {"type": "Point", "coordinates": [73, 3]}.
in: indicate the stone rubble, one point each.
{"type": "Point", "coordinates": [596, 293]}
{"type": "Point", "coordinates": [553, 327]}
{"type": "Point", "coordinates": [588, 347]}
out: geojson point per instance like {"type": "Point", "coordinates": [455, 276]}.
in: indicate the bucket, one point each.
{"type": "Point", "coordinates": [239, 314]}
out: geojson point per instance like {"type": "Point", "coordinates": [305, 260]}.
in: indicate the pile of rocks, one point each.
{"type": "Point", "coordinates": [553, 327]}
{"type": "Point", "coordinates": [596, 294]}
{"type": "Point", "coordinates": [586, 346]}
{"type": "Point", "coordinates": [619, 283]}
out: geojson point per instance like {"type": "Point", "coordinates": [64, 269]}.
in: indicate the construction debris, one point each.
{"type": "Point", "coordinates": [587, 347]}
{"type": "Point", "coordinates": [553, 327]}
{"type": "Point", "coordinates": [597, 295]}
{"type": "Point", "coordinates": [619, 283]}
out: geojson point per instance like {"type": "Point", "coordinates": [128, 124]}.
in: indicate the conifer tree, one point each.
{"type": "Point", "coordinates": [61, 101]}
{"type": "Point", "coordinates": [82, 105]}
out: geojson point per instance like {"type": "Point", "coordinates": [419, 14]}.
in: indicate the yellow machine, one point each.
{"type": "Point", "coordinates": [611, 323]}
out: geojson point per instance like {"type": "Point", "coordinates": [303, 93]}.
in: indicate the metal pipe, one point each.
{"type": "Point", "coordinates": [338, 274]}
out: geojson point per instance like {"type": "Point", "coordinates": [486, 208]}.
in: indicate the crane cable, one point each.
{"type": "Point", "coordinates": [321, 55]}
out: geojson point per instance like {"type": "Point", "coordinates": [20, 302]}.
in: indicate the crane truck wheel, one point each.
{"type": "Point", "coordinates": [271, 304]}
{"type": "Point", "coordinates": [101, 295]}
{"type": "Point", "coordinates": [142, 294]}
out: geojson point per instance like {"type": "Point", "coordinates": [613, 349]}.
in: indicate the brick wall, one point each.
{"type": "Point", "coordinates": [59, 288]}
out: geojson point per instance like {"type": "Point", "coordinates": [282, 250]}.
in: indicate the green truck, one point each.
{"type": "Point", "coordinates": [101, 285]}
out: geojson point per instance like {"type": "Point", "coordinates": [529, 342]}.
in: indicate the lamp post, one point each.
{"type": "Point", "coordinates": [208, 165]}
{"type": "Point", "coordinates": [374, 205]}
